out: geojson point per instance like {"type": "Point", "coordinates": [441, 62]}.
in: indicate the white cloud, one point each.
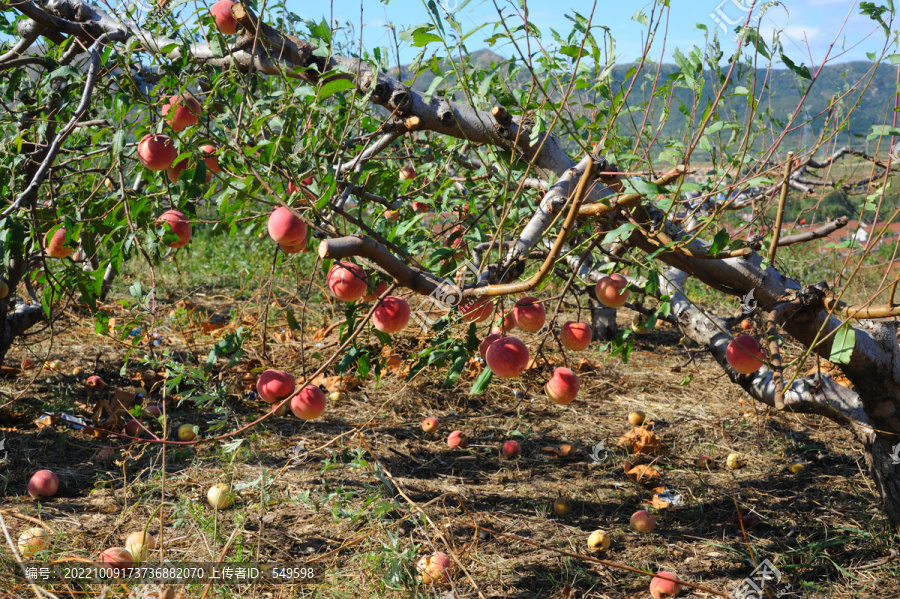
{"type": "Point", "coordinates": [796, 33]}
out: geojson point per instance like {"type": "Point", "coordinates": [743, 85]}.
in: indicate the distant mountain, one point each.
{"type": "Point", "coordinates": [779, 92]}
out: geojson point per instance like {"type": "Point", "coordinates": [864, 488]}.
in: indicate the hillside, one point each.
{"type": "Point", "coordinates": [779, 92]}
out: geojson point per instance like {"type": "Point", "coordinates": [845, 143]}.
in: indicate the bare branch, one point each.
{"type": "Point", "coordinates": [819, 233]}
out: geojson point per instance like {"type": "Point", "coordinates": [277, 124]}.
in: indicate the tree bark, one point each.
{"type": "Point", "coordinates": [886, 473]}
{"type": "Point", "coordinates": [603, 321]}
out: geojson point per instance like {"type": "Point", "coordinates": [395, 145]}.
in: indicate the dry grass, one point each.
{"type": "Point", "coordinates": [370, 492]}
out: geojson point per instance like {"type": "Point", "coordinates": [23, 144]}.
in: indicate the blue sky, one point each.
{"type": "Point", "coordinates": [808, 26]}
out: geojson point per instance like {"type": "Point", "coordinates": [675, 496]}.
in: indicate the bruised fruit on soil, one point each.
{"type": "Point", "coordinates": [636, 418]}
{"type": "Point", "coordinates": [43, 484]}
{"type": "Point", "coordinates": [457, 439]}
{"type": "Point", "coordinates": [706, 462]}
{"type": "Point", "coordinates": [434, 569]}
{"type": "Point", "coordinates": [431, 425]}
{"type": "Point", "coordinates": [219, 496]}
{"type": "Point", "coordinates": [33, 540]}
{"type": "Point", "coordinates": [511, 449]}
{"type": "Point", "coordinates": [140, 538]}
{"type": "Point", "coordinates": [734, 461]}
{"type": "Point", "coordinates": [94, 383]}
{"type": "Point", "coordinates": [664, 584]}
{"type": "Point", "coordinates": [562, 506]}
{"type": "Point", "coordinates": [598, 541]}
{"type": "Point", "coordinates": [116, 560]}
{"type": "Point", "coordinates": [642, 521]}
{"type": "Point", "coordinates": [186, 432]}
{"type": "Point", "coordinates": [797, 467]}
{"type": "Point", "coordinates": [133, 428]}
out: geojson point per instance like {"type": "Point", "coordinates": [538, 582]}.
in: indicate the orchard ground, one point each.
{"type": "Point", "coordinates": [345, 493]}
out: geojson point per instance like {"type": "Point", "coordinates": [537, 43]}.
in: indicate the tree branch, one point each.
{"type": "Point", "coordinates": [30, 192]}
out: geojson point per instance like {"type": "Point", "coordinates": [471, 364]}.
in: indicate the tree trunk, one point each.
{"type": "Point", "coordinates": [603, 321]}
{"type": "Point", "coordinates": [885, 469]}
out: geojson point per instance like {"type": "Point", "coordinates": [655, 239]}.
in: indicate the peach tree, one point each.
{"type": "Point", "coordinates": [563, 174]}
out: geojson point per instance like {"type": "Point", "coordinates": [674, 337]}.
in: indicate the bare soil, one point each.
{"type": "Point", "coordinates": [361, 493]}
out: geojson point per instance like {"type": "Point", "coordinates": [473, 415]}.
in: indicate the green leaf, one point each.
{"type": "Point", "coordinates": [334, 86]}
{"type": "Point", "coordinates": [619, 233]}
{"type": "Point", "coordinates": [292, 320]}
{"type": "Point", "coordinates": [720, 242]}
{"type": "Point", "coordinates": [880, 130]}
{"type": "Point", "coordinates": [874, 12]}
{"type": "Point", "coordinates": [431, 88]}
{"type": "Point", "coordinates": [118, 142]}
{"type": "Point", "coordinates": [652, 284]}
{"type": "Point", "coordinates": [751, 37]}
{"type": "Point", "coordinates": [362, 368]}
{"type": "Point", "coordinates": [216, 47]}
{"type": "Point", "coordinates": [483, 381]}
{"type": "Point", "coordinates": [422, 39]}
{"type": "Point", "coordinates": [322, 31]}
{"type": "Point", "coordinates": [456, 370]}
{"type": "Point", "coordinates": [687, 68]}
{"type": "Point", "coordinates": [800, 71]}
{"type": "Point", "coordinates": [408, 35]}
{"type": "Point", "coordinates": [647, 188]}
{"type": "Point", "coordinates": [842, 346]}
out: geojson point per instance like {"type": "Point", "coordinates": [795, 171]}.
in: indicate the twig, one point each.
{"type": "Point", "coordinates": [219, 560]}
{"type": "Point", "coordinates": [776, 232]}
{"type": "Point", "coordinates": [774, 352]}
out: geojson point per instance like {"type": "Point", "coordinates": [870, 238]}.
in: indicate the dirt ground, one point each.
{"type": "Point", "coordinates": [362, 493]}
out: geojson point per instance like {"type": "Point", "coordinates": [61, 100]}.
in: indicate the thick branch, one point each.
{"type": "Point", "coordinates": [810, 395]}
{"type": "Point", "coordinates": [823, 231]}
{"type": "Point", "coordinates": [551, 204]}
{"type": "Point", "coordinates": [418, 280]}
